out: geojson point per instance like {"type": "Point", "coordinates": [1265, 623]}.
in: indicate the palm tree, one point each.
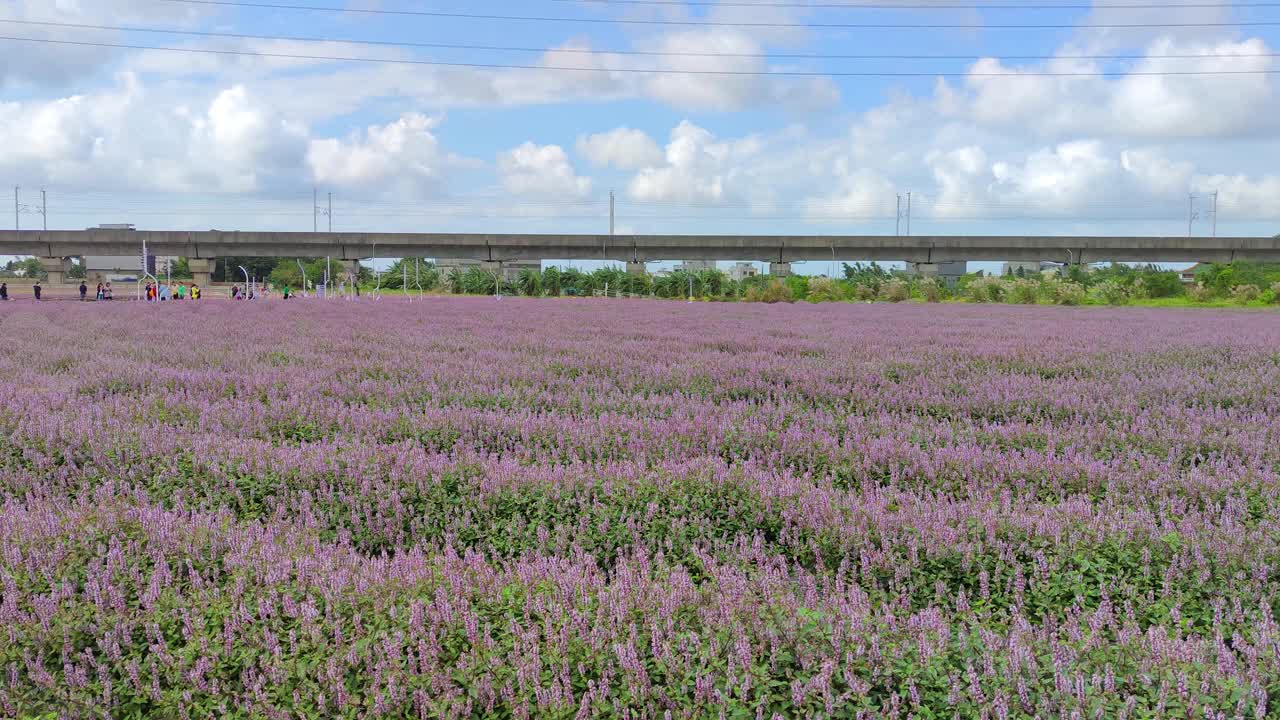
{"type": "Point", "coordinates": [530, 282]}
{"type": "Point", "coordinates": [455, 281]}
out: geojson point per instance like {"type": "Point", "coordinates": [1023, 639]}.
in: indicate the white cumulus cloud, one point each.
{"type": "Point", "coordinates": [402, 152]}
{"type": "Point", "coordinates": [623, 148]}
{"type": "Point", "coordinates": [532, 169]}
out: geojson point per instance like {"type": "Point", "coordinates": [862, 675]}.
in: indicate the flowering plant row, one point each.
{"type": "Point", "coordinates": [466, 508]}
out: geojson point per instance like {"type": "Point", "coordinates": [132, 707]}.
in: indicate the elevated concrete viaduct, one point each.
{"type": "Point", "coordinates": [777, 250]}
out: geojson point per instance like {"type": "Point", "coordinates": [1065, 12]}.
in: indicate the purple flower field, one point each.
{"type": "Point", "coordinates": [575, 509]}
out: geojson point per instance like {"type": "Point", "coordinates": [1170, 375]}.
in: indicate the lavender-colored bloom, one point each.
{"type": "Point", "coordinates": [591, 508]}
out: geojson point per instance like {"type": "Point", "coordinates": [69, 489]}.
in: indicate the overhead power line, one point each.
{"type": "Point", "coordinates": [909, 5]}
{"type": "Point", "coordinates": [731, 23]}
{"type": "Point", "coordinates": [638, 71]}
{"type": "Point", "coordinates": [589, 51]}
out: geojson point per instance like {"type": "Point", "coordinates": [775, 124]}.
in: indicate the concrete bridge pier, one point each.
{"type": "Point", "coordinates": [352, 268]}
{"type": "Point", "coordinates": [201, 271]}
{"type": "Point", "coordinates": [635, 268]}
{"type": "Point", "coordinates": [56, 268]}
{"type": "Point", "coordinates": [925, 270]}
{"type": "Point", "coordinates": [780, 269]}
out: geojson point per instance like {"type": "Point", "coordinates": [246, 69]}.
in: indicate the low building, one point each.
{"type": "Point", "coordinates": [1188, 276]}
{"type": "Point", "coordinates": [743, 270]}
{"type": "Point", "coordinates": [1029, 268]}
{"type": "Point", "coordinates": [948, 272]}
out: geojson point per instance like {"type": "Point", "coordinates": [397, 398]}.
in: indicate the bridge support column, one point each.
{"type": "Point", "coordinates": [780, 269]}
{"type": "Point", "coordinates": [927, 270]}
{"type": "Point", "coordinates": [201, 271]}
{"type": "Point", "coordinates": [636, 268]}
{"type": "Point", "coordinates": [56, 268]}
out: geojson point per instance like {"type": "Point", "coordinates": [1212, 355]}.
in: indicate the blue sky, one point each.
{"type": "Point", "coordinates": [985, 143]}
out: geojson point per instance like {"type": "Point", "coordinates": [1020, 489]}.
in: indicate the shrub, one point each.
{"type": "Point", "coordinates": [895, 291]}
{"type": "Point", "coordinates": [1111, 292]}
{"type": "Point", "coordinates": [1199, 293]}
{"type": "Point", "coordinates": [1055, 291]}
{"type": "Point", "coordinates": [864, 292]}
{"type": "Point", "coordinates": [1022, 292]}
{"type": "Point", "coordinates": [931, 290]}
{"type": "Point", "coordinates": [773, 291]}
{"type": "Point", "coordinates": [824, 290]}
{"type": "Point", "coordinates": [1165, 283]}
{"type": "Point", "coordinates": [1275, 291]}
{"type": "Point", "coordinates": [986, 289]}
{"type": "Point", "coordinates": [1069, 293]}
{"type": "Point", "coordinates": [1140, 290]}
{"type": "Point", "coordinates": [1245, 294]}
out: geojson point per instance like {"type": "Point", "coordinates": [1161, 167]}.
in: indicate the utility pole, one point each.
{"type": "Point", "coordinates": [16, 225]}
{"type": "Point", "coordinates": [330, 213]}
{"type": "Point", "coordinates": [610, 213]}
{"type": "Point", "coordinates": [44, 207]}
{"type": "Point", "coordinates": [315, 210]}
{"type": "Point", "coordinates": [908, 212]}
{"type": "Point", "coordinates": [897, 217]}
{"type": "Point", "coordinates": [1191, 211]}
{"type": "Point", "coordinates": [1215, 213]}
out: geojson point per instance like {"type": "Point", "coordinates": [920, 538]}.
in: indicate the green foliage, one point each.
{"type": "Point", "coordinates": [799, 285]}
{"type": "Point", "coordinates": [552, 282]}
{"type": "Point", "coordinates": [404, 275]}
{"type": "Point", "coordinates": [985, 289]}
{"type": "Point", "coordinates": [1223, 277]}
{"type": "Point", "coordinates": [286, 273]}
{"type": "Point", "coordinates": [25, 267]}
{"type": "Point", "coordinates": [181, 269]}
{"type": "Point", "coordinates": [1162, 284]}
{"type": "Point", "coordinates": [866, 274]}
{"type": "Point", "coordinates": [1069, 293]}
{"type": "Point", "coordinates": [1200, 293]}
{"type": "Point", "coordinates": [479, 281]}
{"type": "Point", "coordinates": [895, 290]}
{"type": "Point", "coordinates": [772, 290]}
{"type": "Point", "coordinates": [824, 290]}
{"type": "Point", "coordinates": [1245, 294]}
{"type": "Point", "coordinates": [227, 269]}
{"type": "Point", "coordinates": [1111, 292]}
{"type": "Point", "coordinates": [931, 290]}
{"type": "Point", "coordinates": [1022, 292]}
{"type": "Point", "coordinates": [529, 283]}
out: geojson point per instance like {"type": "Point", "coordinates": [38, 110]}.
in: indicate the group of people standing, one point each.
{"type": "Point", "coordinates": [159, 292]}
{"type": "Point", "coordinates": [102, 293]}
{"type": "Point", "coordinates": [155, 292]}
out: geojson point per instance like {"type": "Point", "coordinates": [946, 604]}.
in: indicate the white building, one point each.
{"type": "Point", "coordinates": [1029, 268]}
{"type": "Point", "coordinates": [743, 270]}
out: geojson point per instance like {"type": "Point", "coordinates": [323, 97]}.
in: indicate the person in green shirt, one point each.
{"type": "Point", "coordinates": [182, 291]}
{"type": "Point", "coordinates": [285, 292]}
